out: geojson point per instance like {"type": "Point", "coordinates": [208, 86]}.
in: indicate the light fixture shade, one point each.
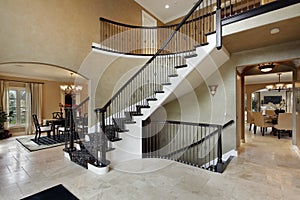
{"type": "Point", "coordinates": [71, 89]}
{"type": "Point", "coordinates": [266, 67]}
{"type": "Point", "coordinates": [213, 89]}
{"type": "Point", "coordinates": [279, 85]}
{"type": "Point", "coordinates": [269, 87]}
{"type": "Point", "coordinates": [63, 87]}
{"type": "Point", "coordinates": [289, 86]}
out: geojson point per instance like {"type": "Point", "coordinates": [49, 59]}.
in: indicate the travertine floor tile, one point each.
{"type": "Point", "coordinates": [266, 168]}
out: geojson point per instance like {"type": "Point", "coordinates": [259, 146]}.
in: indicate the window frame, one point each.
{"type": "Point", "coordinates": [18, 106]}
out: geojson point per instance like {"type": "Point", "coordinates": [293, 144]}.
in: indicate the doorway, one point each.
{"type": "Point", "coordinates": [149, 36]}
{"type": "Point", "coordinates": [253, 96]}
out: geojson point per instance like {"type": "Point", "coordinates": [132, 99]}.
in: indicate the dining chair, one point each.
{"type": "Point", "coordinates": [40, 128]}
{"type": "Point", "coordinates": [285, 123]}
{"type": "Point", "coordinates": [250, 119]}
{"type": "Point", "coordinates": [57, 115]}
{"type": "Point", "coordinates": [259, 120]}
{"type": "Point", "coordinates": [270, 112]}
{"type": "Point", "coordinates": [57, 124]}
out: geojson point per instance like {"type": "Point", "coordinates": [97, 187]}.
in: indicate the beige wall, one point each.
{"type": "Point", "coordinates": [51, 95]}
{"type": "Point", "coordinates": [57, 32]}
{"type": "Point", "coordinates": [51, 98]}
{"type": "Point", "coordinates": [232, 135]}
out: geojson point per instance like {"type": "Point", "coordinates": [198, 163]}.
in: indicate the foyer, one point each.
{"type": "Point", "coordinates": [266, 168]}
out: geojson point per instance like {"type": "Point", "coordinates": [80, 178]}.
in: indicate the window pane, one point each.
{"type": "Point", "coordinates": [12, 94]}
{"type": "Point", "coordinates": [23, 94]}
{"type": "Point", "coordinates": [22, 115]}
{"type": "Point", "coordinates": [17, 104]}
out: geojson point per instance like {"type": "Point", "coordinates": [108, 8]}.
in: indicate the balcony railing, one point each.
{"type": "Point", "coordinates": [196, 144]}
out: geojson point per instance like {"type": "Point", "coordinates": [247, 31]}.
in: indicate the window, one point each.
{"type": "Point", "coordinates": [17, 104]}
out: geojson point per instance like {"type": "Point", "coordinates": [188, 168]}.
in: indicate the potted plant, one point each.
{"type": "Point", "coordinates": [3, 118]}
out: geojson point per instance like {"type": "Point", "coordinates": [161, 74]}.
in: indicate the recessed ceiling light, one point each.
{"type": "Point", "coordinates": [274, 30]}
{"type": "Point", "coordinates": [167, 6]}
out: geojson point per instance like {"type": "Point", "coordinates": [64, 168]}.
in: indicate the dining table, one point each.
{"type": "Point", "coordinates": [271, 119]}
{"type": "Point", "coordinates": [55, 122]}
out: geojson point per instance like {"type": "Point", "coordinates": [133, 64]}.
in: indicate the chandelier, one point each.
{"type": "Point", "coordinates": [279, 85]}
{"type": "Point", "coordinates": [71, 89]}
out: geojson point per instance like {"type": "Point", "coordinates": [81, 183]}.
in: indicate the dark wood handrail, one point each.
{"type": "Point", "coordinates": [216, 131]}
{"type": "Point", "coordinates": [187, 123]}
{"type": "Point", "coordinates": [154, 27]}
{"type": "Point", "coordinates": [83, 102]}
{"type": "Point", "coordinates": [156, 54]}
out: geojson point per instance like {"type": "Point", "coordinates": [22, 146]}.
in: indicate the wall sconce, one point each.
{"type": "Point", "coordinates": [213, 89]}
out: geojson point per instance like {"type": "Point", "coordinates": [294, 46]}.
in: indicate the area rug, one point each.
{"type": "Point", "coordinates": [44, 143]}
{"type": "Point", "coordinates": [58, 192]}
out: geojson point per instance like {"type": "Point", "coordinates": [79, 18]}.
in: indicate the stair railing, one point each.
{"type": "Point", "coordinates": [149, 80]}
{"type": "Point", "coordinates": [142, 40]}
{"type": "Point", "coordinates": [196, 144]}
{"type": "Point", "coordinates": [80, 113]}
{"type": "Point", "coordinates": [76, 124]}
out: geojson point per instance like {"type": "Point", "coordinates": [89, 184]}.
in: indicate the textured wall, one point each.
{"type": "Point", "coordinates": [58, 32]}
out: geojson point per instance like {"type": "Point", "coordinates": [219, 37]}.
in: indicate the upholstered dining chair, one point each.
{"type": "Point", "coordinates": [40, 128]}
{"type": "Point", "coordinates": [250, 119]}
{"type": "Point", "coordinates": [259, 120]}
{"type": "Point", "coordinates": [285, 123]}
{"type": "Point", "coordinates": [270, 112]}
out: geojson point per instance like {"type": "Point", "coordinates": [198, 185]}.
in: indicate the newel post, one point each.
{"type": "Point", "coordinates": [100, 143]}
{"type": "Point", "coordinates": [220, 163]}
{"type": "Point", "coordinates": [218, 26]}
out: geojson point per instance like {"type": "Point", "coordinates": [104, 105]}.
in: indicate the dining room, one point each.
{"type": "Point", "coordinates": [269, 99]}
{"type": "Point", "coordinates": [28, 89]}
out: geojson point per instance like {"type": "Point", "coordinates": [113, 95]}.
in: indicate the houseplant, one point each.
{"type": "Point", "coordinates": [3, 118]}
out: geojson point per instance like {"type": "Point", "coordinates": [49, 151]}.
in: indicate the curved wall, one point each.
{"type": "Point", "coordinates": [57, 32]}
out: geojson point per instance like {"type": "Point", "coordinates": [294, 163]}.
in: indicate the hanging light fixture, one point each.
{"type": "Point", "coordinates": [279, 85]}
{"type": "Point", "coordinates": [71, 89]}
{"type": "Point", "coordinates": [266, 67]}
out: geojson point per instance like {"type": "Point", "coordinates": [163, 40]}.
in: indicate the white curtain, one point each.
{"type": "Point", "coordinates": [36, 99]}
{"type": "Point", "coordinates": [33, 99]}
{"type": "Point", "coordinates": [28, 123]}
{"type": "Point", "coordinates": [34, 104]}
{"type": "Point", "coordinates": [4, 86]}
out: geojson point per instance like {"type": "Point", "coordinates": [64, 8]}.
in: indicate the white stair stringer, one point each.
{"type": "Point", "coordinates": [130, 147]}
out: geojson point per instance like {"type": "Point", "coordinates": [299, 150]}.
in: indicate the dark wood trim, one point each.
{"type": "Point", "coordinates": [258, 11]}
{"type": "Point", "coordinates": [12, 80]}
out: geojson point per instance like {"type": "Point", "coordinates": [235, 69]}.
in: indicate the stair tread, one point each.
{"type": "Point", "coordinates": [151, 99]}
{"type": "Point", "coordinates": [115, 139]}
{"type": "Point", "coordinates": [191, 56]}
{"type": "Point", "coordinates": [136, 114]}
{"type": "Point", "coordinates": [129, 122]}
{"type": "Point", "coordinates": [202, 44]}
{"type": "Point", "coordinates": [172, 75]}
{"type": "Point", "coordinates": [181, 66]}
{"type": "Point", "coordinates": [166, 84]}
{"type": "Point", "coordinates": [159, 91]}
{"type": "Point", "coordinates": [210, 33]}
{"type": "Point", "coordinates": [122, 130]}
{"type": "Point", "coordinates": [110, 149]}
{"type": "Point", "coordinates": [143, 106]}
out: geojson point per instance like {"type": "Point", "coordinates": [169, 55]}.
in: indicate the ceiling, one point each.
{"type": "Point", "coordinates": [36, 71]}
{"type": "Point", "coordinates": [177, 8]}
{"type": "Point", "coordinates": [260, 37]}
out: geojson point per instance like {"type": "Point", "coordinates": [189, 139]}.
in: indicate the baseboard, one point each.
{"type": "Point", "coordinates": [98, 170]}
{"type": "Point", "coordinates": [296, 149]}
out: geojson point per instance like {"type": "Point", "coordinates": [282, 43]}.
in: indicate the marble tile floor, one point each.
{"type": "Point", "coordinates": [266, 168]}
